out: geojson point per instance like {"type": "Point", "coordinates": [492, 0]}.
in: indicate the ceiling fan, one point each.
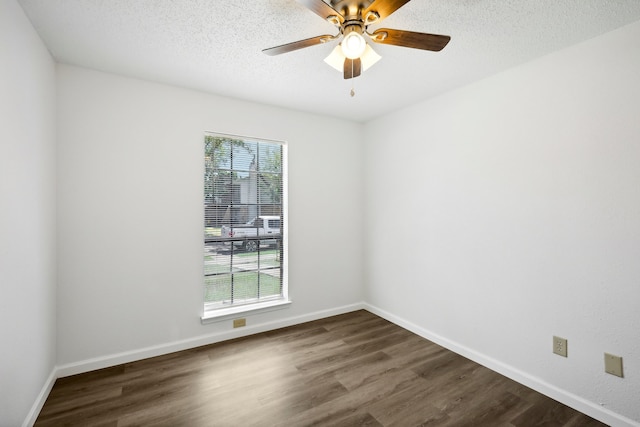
{"type": "Point", "coordinates": [353, 18]}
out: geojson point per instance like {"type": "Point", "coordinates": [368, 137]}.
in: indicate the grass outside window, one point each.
{"type": "Point", "coordinates": [249, 285]}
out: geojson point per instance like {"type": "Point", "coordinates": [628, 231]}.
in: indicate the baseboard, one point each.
{"type": "Point", "coordinates": [32, 416]}
{"type": "Point", "coordinates": [143, 353]}
{"type": "Point", "coordinates": [576, 402]}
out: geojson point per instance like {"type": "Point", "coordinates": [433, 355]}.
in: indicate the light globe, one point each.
{"type": "Point", "coordinates": [353, 45]}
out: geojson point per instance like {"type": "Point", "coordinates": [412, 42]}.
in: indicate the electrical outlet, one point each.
{"type": "Point", "coordinates": [238, 323]}
{"type": "Point", "coordinates": [613, 364]}
{"type": "Point", "coordinates": [560, 346]}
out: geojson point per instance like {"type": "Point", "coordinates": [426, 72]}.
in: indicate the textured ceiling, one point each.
{"type": "Point", "coordinates": [215, 46]}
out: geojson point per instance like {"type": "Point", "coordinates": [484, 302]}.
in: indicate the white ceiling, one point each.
{"type": "Point", "coordinates": [215, 46]}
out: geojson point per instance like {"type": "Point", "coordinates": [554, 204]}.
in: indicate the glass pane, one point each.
{"type": "Point", "coordinates": [270, 158]}
{"type": "Point", "coordinates": [214, 217]}
{"type": "Point", "coordinates": [246, 257]}
{"type": "Point", "coordinates": [269, 286]}
{"type": "Point", "coordinates": [269, 188]}
{"type": "Point", "coordinates": [218, 289]}
{"type": "Point", "coordinates": [270, 257]}
{"type": "Point", "coordinates": [216, 264]}
{"type": "Point", "coordinates": [245, 286]}
{"type": "Point", "coordinates": [244, 155]}
{"type": "Point", "coordinates": [222, 188]}
{"type": "Point", "coordinates": [218, 152]}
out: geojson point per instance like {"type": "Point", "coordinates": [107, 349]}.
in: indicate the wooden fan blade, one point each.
{"type": "Point", "coordinates": [352, 68]}
{"type": "Point", "coordinates": [322, 9]}
{"type": "Point", "coordinates": [411, 39]}
{"type": "Point", "coordinates": [385, 7]}
{"type": "Point", "coordinates": [300, 44]}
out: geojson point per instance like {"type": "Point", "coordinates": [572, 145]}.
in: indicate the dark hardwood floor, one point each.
{"type": "Point", "coordinates": [354, 369]}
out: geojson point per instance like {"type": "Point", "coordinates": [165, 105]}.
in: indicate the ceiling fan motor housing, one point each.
{"type": "Point", "coordinates": [352, 26]}
{"type": "Point", "coordinates": [350, 8]}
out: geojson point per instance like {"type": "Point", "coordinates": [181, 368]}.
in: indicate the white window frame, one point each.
{"type": "Point", "coordinates": [210, 314]}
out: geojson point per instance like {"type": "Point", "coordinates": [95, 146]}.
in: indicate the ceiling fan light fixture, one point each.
{"type": "Point", "coordinates": [368, 58]}
{"type": "Point", "coordinates": [353, 45]}
{"type": "Point", "coordinates": [336, 58]}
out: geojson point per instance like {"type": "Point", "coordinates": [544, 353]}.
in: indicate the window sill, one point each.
{"type": "Point", "coordinates": [219, 315]}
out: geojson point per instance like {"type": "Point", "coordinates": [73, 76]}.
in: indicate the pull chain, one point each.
{"type": "Point", "coordinates": [353, 91]}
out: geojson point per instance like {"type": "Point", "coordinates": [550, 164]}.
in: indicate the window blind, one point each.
{"type": "Point", "coordinates": [243, 221]}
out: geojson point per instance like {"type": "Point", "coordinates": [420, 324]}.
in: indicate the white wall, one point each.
{"type": "Point", "coordinates": [27, 215]}
{"type": "Point", "coordinates": [130, 214]}
{"type": "Point", "coordinates": [508, 211]}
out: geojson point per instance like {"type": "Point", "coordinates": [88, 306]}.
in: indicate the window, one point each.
{"type": "Point", "coordinates": [244, 225]}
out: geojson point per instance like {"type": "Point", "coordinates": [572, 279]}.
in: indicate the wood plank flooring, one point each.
{"type": "Point", "coordinates": [354, 369]}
